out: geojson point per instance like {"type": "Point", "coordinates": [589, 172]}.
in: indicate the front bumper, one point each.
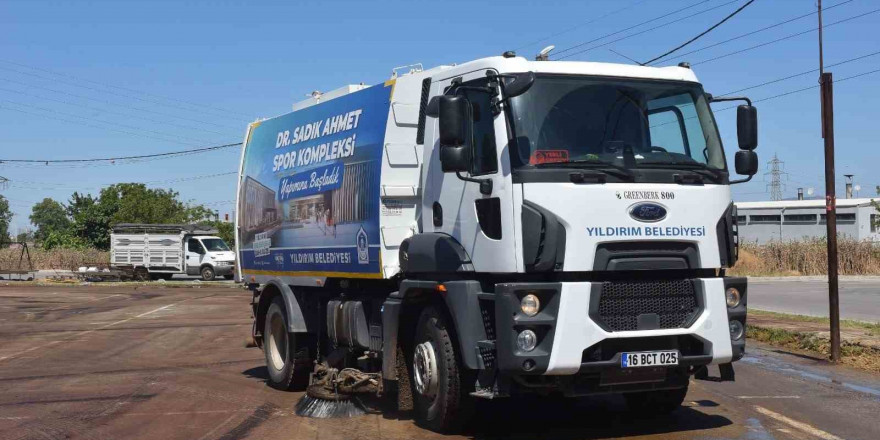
{"type": "Point", "coordinates": [572, 342]}
{"type": "Point", "coordinates": [224, 269]}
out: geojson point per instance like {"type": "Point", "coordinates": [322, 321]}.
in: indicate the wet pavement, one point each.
{"type": "Point", "coordinates": [171, 363]}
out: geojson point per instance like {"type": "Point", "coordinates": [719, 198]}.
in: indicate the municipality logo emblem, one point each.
{"type": "Point", "coordinates": [363, 247]}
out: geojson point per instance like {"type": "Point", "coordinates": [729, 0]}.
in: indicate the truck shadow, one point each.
{"type": "Point", "coordinates": [585, 418]}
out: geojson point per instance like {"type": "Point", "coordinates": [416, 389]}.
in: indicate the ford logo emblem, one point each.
{"type": "Point", "coordinates": [647, 212]}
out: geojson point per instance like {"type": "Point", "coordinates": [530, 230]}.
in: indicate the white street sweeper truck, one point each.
{"type": "Point", "coordinates": [496, 229]}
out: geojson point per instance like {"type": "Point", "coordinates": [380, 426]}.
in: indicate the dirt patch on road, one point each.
{"type": "Point", "coordinates": [860, 341]}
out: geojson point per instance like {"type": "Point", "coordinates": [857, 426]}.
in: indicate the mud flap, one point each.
{"type": "Point", "coordinates": [725, 370]}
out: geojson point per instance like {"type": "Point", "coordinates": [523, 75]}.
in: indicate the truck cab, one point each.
{"type": "Point", "coordinates": [208, 257]}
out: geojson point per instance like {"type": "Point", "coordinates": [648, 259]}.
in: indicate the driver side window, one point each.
{"type": "Point", "coordinates": [482, 135]}
{"type": "Point", "coordinates": [193, 245]}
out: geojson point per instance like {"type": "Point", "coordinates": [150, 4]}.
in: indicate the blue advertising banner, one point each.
{"type": "Point", "coordinates": [309, 201]}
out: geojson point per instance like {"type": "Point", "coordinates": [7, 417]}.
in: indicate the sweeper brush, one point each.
{"type": "Point", "coordinates": [332, 393]}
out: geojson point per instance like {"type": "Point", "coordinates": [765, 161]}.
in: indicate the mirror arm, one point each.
{"type": "Point", "coordinates": [730, 98]}
{"type": "Point", "coordinates": [734, 182]}
{"type": "Point", "coordinates": [485, 184]}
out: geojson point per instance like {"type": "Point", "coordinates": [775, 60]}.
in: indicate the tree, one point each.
{"type": "Point", "coordinates": [23, 237]}
{"type": "Point", "coordinates": [90, 220]}
{"type": "Point", "coordinates": [135, 203]}
{"type": "Point", "coordinates": [49, 216]}
{"type": "Point", "coordinates": [225, 230]}
{"type": "Point", "coordinates": [64, 239]}
{"type": "Point", "coordinates": [5, 218]}
{"type": "Point", "coordinates": [92, 217]}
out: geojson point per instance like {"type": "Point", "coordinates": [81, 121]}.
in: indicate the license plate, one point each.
{"type": "Point", "coordinates": [648, 359]}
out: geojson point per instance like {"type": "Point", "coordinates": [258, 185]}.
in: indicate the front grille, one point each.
{"type": "Point", "coordinates": [621, 303]}
{"type": "Point", "coordinates": [487, 311]}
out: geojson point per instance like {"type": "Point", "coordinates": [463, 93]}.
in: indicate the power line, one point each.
{"type": "Point", "coordinates": [787, 37]}
{"type": "Point", "coordinates": [120, 158]}
{"type": "Point", "coordinates": [110, 102]}
{"type": "Point", "coordinates": [702, 33]}
{"type": "Point", "coordinates": [126, 126]}
{"type": "Point", "coordinates": [123, 88]}
{"type": "Point", "coordinates": [86, 124]}
{"type": "Point", "coordinates": [784, 78]}
{"type": "Point", "coordinates": [53, 186]}
{"type": "Point", "coordinates": [158, 121]}
{"type": "Point", "coordinates": [582, 24]}
{"type": "Point", "coordinates": [631, 27]}
{"type": "Point", "coordinates": [109, 92]}
{"type": "Point", "coordinates": [645, 31]}
{"type": "Point", "coordinates": [747, 34]}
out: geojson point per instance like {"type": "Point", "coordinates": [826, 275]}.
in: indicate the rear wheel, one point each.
{"type": "Point", "coordinates": [279, 346]}
{"type": "Point", "coordinates": [438, 393]}
{"type": "Point", "coordinates": [141, 274]}
{"type": "Point", "coordinates": [655, 402]}
{"type": "Point", "coordinates": [207, 273]}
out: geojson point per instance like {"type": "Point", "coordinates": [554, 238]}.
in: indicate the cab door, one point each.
{"type": "Point", "coordinates": [195, 256]}
{"type": "Point", "coordinates": [482, 223]}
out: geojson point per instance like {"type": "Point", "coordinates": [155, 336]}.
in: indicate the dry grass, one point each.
{"type": "Point", "coordinates": [806, 257]}
{"type": "Point", "coordinates": [54, 259]}
{"type": "Point", "coordinates": [852, 354]}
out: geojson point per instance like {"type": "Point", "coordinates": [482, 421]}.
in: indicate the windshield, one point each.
{"type": "Point", "coordinates": [215, 245]}
{"type": "Point", "coordinates": [627, 122]}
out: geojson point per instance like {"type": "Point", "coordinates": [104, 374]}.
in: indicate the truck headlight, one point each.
{"type": "Point", "coordinates": [526, 340]}
{"type": "Point", "coordinates": [530, 304]}
{"type": "Point", "coordinates": [733, 297]}
{"type": "Point", "coordinates": [736, 330]}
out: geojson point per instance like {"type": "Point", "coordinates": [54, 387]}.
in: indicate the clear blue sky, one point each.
{"type": "Point", "coordinates": [241, 60]}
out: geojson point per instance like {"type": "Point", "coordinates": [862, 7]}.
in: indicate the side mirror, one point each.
{"type": "Point", "coordinates": [455, 159]}
{"type": "Point", "coordinates": [746, 162]}
{"type": "Point", "coordinates": [746, 129]}
{"type": "Point", "coordinates": [452, 111]}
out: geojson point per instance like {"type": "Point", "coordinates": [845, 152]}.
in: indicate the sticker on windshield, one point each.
{"type": "Point", "coordinates": [548, 156]}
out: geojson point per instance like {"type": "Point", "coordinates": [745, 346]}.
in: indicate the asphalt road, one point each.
{"type": "Point", "coordinates": [170, 363]}
{"type": "Point", "coordinates": [859, 299]}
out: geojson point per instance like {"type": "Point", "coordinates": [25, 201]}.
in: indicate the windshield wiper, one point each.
{"type": "Point", "coordinates": [696, 167]}
{"type": "Point", "coordinates": [599, 165]}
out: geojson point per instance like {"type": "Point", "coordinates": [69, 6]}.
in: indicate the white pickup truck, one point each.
{"type": "Point", "coordinates": [153, 251]}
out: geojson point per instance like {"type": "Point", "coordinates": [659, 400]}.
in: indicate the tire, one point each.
{"type": "Point", "coordinates": [286, 370]}
{"type": "Point", "coordinates": [439, 403]}
{"type": "Point", "coordinates": [229, 276]}
{"type": "Point", "coordinates": [207, 273]}
{"type": "Point", "coordinates": [655, 402]}
{"type": "Point", "coordinates": [141, 274]}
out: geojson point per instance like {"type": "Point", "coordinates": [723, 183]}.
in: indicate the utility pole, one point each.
{"type": "Point", "coordinates": [827, 96]}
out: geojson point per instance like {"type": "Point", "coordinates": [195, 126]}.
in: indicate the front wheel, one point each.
{"type": "Point", "coordinates": [439, 395]}
{"type": "Point", "coordinates": [207, 273]}
{"type": "Point", "coordinates": [655, 402]}
{"type": "Point", "coordinates": [279, 346]}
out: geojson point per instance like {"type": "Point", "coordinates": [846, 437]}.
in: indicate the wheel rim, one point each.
{"type": "Point", "coordinates": [425, 372]}
{"type": "Point", "coordinates": [277, 343]}
{"type": "Point", "coordinates": [207, 274]}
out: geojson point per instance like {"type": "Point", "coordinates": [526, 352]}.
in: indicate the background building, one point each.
{"type": "Point", "coordinates": [787, 220]}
